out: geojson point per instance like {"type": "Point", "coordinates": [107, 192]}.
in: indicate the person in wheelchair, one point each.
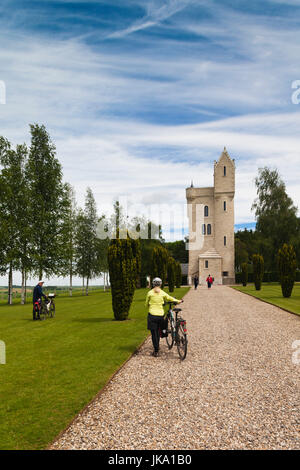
{"type": "Point", "coordinates": [37, 299]}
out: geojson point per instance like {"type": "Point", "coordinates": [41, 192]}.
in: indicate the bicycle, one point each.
{"type": "Point", "coordinates": [45, 309]}
{"type": "Point", "coordinates": [50, 306]}
{"type": "Point", "coordinates": [176, 331]}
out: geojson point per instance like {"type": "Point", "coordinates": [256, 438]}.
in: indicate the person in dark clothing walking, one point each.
{"type": "Point", "coordinates": [196, 281]}
{"type": "Point", "coordinates": [37, 298]}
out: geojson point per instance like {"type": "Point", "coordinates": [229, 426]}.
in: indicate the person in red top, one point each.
{"type": "Point", "coordinates": [209, 281]}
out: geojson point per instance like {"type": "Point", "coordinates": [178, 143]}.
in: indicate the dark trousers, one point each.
{"type": "Point", "coordinates": [154, 325]}
{"type": "Point", "coordinates": [35, 313]}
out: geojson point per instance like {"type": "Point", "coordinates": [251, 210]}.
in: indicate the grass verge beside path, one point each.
{"type": "Point", "coordinates": [55, 367]}
{"type": "Point", "coordinates": [272, 293]}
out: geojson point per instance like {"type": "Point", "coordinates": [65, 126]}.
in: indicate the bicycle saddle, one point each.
{"type": "Point", "coordinates": [177, 309]}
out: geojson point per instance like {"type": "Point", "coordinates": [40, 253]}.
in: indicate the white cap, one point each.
{"type": "Point", "coordinates": [40, 281]}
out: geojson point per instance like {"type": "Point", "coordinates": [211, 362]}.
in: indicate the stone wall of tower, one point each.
{"type": "Point", "coordinates": [220, 217]}
{"type": "Point", "coordinates": [224, 187]}
{"type": "Point", "coordinates": [198, 198]}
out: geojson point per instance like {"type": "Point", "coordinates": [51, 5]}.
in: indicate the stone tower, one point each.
{"type": "Point", "coordinates": [211, 225]}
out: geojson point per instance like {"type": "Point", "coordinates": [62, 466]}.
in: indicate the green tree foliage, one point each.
{"type": "Point", "coordinates": [171, 270]}
{"type": "Point", "coordinates": [44, 176]}
{"type": "Point", "coordinates": [102, 248]}
{"type": "Point", "coordinates": [87, 258]}
{"type": "Point", "coordinates": [275, 212]}
{"type": "Point", "coordinates": [122, 273]}
{"type": "Point", "coordinates": [244, 268]}
{"type": "Point", "coordinates": [159, 263]}
{"type": "Point", "coordinates": [287, 265]}
{"type": "Point", "coordinates": [241, 253]}
{"type": "Point", "coordinates": [178, 250]}
{"type": "Point", "coordinates": [258, 270]}
{"type": "Point", "coordinates": [14, 214]}
{"type": "Point", "coordinates": [68, 233]}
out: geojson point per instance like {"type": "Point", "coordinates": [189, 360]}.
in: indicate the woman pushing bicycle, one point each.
{"type": "Point", "coordinates": [154, 301]}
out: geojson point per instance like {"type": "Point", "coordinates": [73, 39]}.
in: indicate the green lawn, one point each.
{"type": "Point", "coordinates": [272, 293]}
{"type": "Point", "coordinates": [55, 367]}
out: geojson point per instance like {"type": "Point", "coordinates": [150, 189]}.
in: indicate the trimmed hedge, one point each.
{"type": "Point", "coordinates": [268, 277]}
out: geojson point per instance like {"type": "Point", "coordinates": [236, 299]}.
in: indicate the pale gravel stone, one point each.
{"type": "Point", "coordinates": [237, 388]}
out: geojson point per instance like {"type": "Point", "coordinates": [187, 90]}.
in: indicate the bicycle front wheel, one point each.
{"type": "Point", "coordinates": [170, 337]}
{"type": "Point", "coordinates": [43, 312]}
{"type": "Point", "coordinates": [52, 311]}
{"type": "Point", "coordinates": [181, 341]}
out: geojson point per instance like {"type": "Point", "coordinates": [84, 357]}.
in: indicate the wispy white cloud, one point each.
{"type": "Point", "coordinates": [156, 12]}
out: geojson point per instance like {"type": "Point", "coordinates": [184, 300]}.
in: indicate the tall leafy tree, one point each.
{"type": "Point", "coordinates": [44, 176]}
{"type": "Point", "coordinates": [14, 213]}
{"type": "Point", "coordinates": [275, 212]}
{"type": "Point", "coordinates": [86, 240]}
{"type": "Point", "coordinates": [104, 232]}
{"type": "Point", "coordinates": [68, 233]}
{"type": "Point", "coordinates": [81, 245]}
{"type": "Point", "coordinates": [178, 250]}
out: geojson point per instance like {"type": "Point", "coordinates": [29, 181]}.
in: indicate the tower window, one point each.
{"type": "Point", "coordinates": [224, 170]}
{"type": "Point", "coordinates": [208, 229]}
{"type": "Point", "coordinates": [203, 229]}
{"type": "Point", "coordinates": [225, 206]}
{"type": "Point", "coordinates": [225, 273]}
{"type": "Point", "coordinates": [225, 241]}
{"type": "Point", "coordinates": [206, 211]}
{"type": "Point", "coordinates": [206, 264]}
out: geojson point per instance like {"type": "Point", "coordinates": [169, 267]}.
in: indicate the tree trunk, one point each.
{"type": "Point", "coordinates": [25, 286]}
{"type": "Point", "coordinates": [10, 281]}
{"type": "Point", "coordinates": [23, 291]}
{"type": "Point", "coordinates": [71, 284]}
{"type": "Point", "coordinates": [104, 281]}
{"type": "Point", "coordinates": [87, 286]}
{"type": "Point", "coordinates": [40, 274]}
{"type": "Point", "coordinates": [83, 286]}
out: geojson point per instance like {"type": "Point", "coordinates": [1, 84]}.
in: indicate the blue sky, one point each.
{"type": "Point", "coordinates": [141, 96]}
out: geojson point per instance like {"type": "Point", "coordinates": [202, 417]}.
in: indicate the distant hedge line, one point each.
{"type": "Point", "coordinates": [268, 277]}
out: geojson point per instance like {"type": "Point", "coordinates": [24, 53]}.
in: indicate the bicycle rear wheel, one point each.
{"type": "Point", "coordinates": [170, 337]}
{"type": "Point", "coordinates": [181, 341]}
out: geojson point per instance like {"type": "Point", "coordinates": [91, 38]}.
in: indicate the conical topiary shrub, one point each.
{"type": "Point", "coordinates": [122, 273]}
{"type": "Point", "coordinates": [244, 274]}
{"type": "Point", "coordinates": [178, 275]}
{"type": "Point", "coordinates": [171, 274]}
{"type": "Point", "coordinates": [258, 270]}
{"type": "Point", "coordinates": [287, 264]}
{"type": "Point", "coordinates": [159, 263]}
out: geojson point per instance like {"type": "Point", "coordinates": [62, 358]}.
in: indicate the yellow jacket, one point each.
{"type": "Point", "coordinates": [155, 301]}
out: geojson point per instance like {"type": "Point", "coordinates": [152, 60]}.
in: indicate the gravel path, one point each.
{"type": "Point", "coordinates": [237, 388]}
